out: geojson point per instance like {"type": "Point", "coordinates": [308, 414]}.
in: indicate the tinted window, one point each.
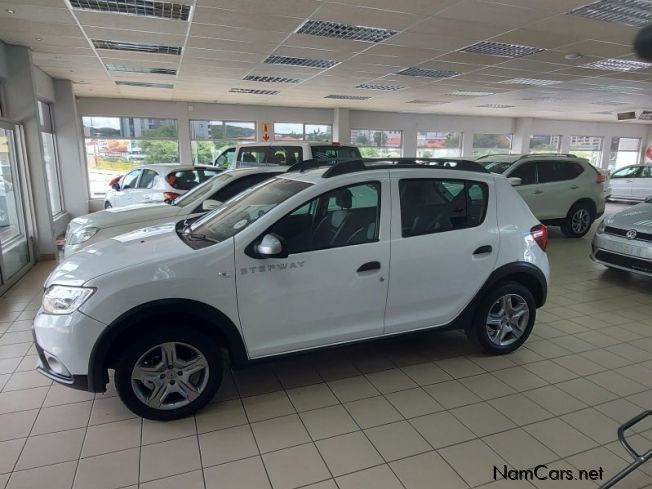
{"type": "Point", "coordinates": [342, 217]}
{"type": "Point", "coordinates": [187, 179]}
{"type": "Point", "coordinates": [647, 172]}
{"type": "Point", "coordinates": [435, 206]}
{"type": "Point", "coordinates": [627, 172]}
{"type": "Point", "coordinates": [496, 166]}
{"type": "Point", "coordinates": [527, 172]}
{"type": "Point", "coordinates": [130, 179]}
{"type": "Point", "coordinates": [147, 180]}
{"type": "Point", "coordinates": [556, 171]}
{"type": "Point", "coordinates": [269, 155]}
{"type": "Point", "coordinates": [337, 153]}
{"type": "Point", "coordinates": [240, 185]}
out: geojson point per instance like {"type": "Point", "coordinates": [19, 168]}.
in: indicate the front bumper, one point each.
{"type": "Point", "coordinates": [64, 344]}
{"type": "Point", "coordinates": [625, 254]}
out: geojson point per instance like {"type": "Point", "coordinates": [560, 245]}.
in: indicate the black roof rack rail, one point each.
{"type": "Point", "coordinates": [304, 165]}
{"type": "Point", "coordinates": [388, 163]}
{"type": "Point", "coordinates": [569, 155]}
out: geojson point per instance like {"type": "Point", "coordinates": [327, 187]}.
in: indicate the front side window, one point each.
{"type": "Point", "coordinates": [627, 172]}
{"type": "Point", "coordinates": [342, 217]}
{"type": "Point", "coordinates": [527, 172]}
{"type": "Point", "coordinates": [269, 155]}
{"type": "Point", "coordinates": [130, 180]}
{"type": "Point", "coordinates": [378, 143]}
{"type": "Point", "coordinates": [434, 206]}
{"type": "Point", "coordinates": [432, 144]}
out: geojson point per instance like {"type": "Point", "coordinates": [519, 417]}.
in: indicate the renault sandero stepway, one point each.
{"type": "Point", "coordinates": [315, 257]}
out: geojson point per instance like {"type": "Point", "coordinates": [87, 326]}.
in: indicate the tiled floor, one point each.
{"type": "Point", "coordinates": [424, 412]}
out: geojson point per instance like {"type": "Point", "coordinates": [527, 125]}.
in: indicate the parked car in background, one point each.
{"type": "Point", "coordinates": [561, 190]}
{"type": "Point", "coordinates": [313, 258]}
{"type": "Point", "coordinates": [86, 230]}
{"type": "Point", "coordinates": [283, 153]}
{"type": "Point", "coordinates": [225, 158]}
{"type": "Point", "coordinates": [624, 240]}
{"type": "Point", "coordinates": [156, 183]}
{"type": "Point", "coordinates": [632, 183]}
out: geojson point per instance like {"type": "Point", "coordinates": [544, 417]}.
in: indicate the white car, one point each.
{"type": "Point", "coordinates": [156, 183]}
{"type": "Point", "coordinates": [309, 259]}
{"type": "Point", "coordinates": [289, 153]}
{"type": "Point", "coordinates": [86, 230]}
{"type": "Point", "coordinates": [561, 190]}
{"type": "Point", "coordinates": [632, 183]}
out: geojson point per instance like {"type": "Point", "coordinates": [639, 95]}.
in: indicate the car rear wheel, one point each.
{"type": "Point", "coordinates": [169, 373]}
{"type": "Point", "coordinates": [578, 222]}
{"type": "Point", "coordinates": [504, 319]}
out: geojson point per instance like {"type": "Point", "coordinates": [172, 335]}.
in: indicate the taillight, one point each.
{"type": "Point", "coordinates": [170, 195]}
{"type": "Point", "coordinates": [540, 234]}
{"type": "Point", "coordinates": [600, 178]}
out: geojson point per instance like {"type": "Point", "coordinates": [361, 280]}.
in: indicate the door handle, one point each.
{"type": "Point", "coordinates": [369, 266]}
{"type": "Point", "coordinates": [537, 192]}
{"type": "Point", "coordinates": [483, 250]}
{"type": "Point", "coordinates": [574, 187]}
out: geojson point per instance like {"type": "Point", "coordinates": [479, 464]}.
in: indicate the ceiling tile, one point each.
{"type": "Point", "coordinates": [371, 17]}
{"type": "Point", "coordinates": [592, 47]}
{"type": "Point", "coordinates": [131, 22]}
{"type": "Point", "coordinates": [293, 8]}
{"type": "Point", "coordinates": [231, 18]}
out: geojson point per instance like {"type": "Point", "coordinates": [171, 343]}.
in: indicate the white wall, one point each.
{"type": "Point", "coordinates": [44, 85]}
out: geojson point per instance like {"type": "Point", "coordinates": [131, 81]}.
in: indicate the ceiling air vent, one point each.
{"type": "Point", "coordinates": [271, 79]}
{"type": "Point", "coordinates": [345, 31]}
{"type": "Point", "coordinates": [428, 72]}
{"type": "Point", "coordinates": [608, 102]}
{"type": "Point", "coordinates": [602, 112]}
{"type": "Point", "coordinates": [136, 69]}
{"type": "Point", "coordinates": [626, 116]}
{"type": "Point", "coordinates": [611, 64]}
{"type": "Point", "coordinates": [496, 106]}
{"type": "Point", "coordinates": [144, 84]}
{"type": "Point", "coordinates": [645, 115]}
{"type": "Point", "coordinates": [501, 49]}
{"type": "Point", "coordinates": [253, 91]}
{"type": "Point", "coordinates": [348, 97]}
{"type": "Point", "coordinates": [380, 86]}
{"type": "Point", "coordinates": [462, 93]}
{"type": "Point", "coordinates": [530, 81]}
{"type": "Point", "coordinates": [137, 47]}
{"type": "Point", "coordinates": [634, 13]}
{"type": "Point", "coordinates": [423, 102]}
{"type": "Point", "coordinates": [307, 62]}
{"type": "Point", "coordinates": [143, 8]}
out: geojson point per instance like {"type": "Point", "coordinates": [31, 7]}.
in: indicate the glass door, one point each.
{"type": "Point", "coordinates": [15, 249]}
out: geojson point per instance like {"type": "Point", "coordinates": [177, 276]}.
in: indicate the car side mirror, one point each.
{"type": "Point", "coordinates": [115, 186]}
{"type": "Point", "coordinates": [271, 246]}
{"type": "Point", "coordinates": [210, 204]}
{"type": "Point", "coordinates": [515, 181]}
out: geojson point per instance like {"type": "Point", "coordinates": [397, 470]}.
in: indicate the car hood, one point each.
{"type": "Point", "coordinates": [157, 243]}
{"type": "Point", "coordinates": [638, 217]}
{"type": "Point", "coordinates": [130, 214]}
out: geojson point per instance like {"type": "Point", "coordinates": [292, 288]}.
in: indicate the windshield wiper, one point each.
{"type": "Point", "coordinates": [198, 237]}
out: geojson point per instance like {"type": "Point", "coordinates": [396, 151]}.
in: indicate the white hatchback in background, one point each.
{"type": "Point", "coordinates": [86, 230]}
{"type": "Point", "coordinates": [631, 183]}
{"type": "Point", "coordinates": [156, 183]}
{"type": "Point", "coordinates": [289, 153]}
{"type": "Point", "coordinates": [306, 260]}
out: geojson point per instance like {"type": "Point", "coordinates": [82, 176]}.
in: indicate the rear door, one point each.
{"type": "Point", "coordinates": [560, 182]}
{"type": "Point", "coordinates": [622, 182]}
{"type": "Point", "coordinates": [529, 189]}
{"type": "Point", "coordinates": [444, 246]}
{"type": "Point", "coordinates": [642, 185]}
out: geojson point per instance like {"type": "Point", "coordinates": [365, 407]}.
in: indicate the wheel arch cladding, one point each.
{"type": "Point", "coordinates": [206, 318]}
{"type": "Point", "coordinates": [524, 273]}
{"type": "Point", "coordinates": [589, 202]}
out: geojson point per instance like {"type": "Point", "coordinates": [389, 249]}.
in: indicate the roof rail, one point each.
{"type": "Point", "coordinates": [569, 155]}
{"type": "Point", "coordinates": [417, 163]}
{"type": "Point", "coordinates": [304, 165]}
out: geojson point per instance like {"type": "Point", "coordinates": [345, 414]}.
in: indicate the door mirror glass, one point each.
{"type": "Point", "coordinates": [271, 247]}
{"type": "Point", "coordinates": [515, 181]}
{"type": "Point", "coordinates": [210, 204]}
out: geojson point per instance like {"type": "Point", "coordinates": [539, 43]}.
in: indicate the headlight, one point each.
{"type": "Point", "coordinates": [602, 226]}
{"type": "Point", "coordinates": [84, 234]}
{"type": "Point", "coordinates": [61, 299]}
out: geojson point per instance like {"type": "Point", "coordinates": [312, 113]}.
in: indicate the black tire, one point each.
{"type": "Point", "coordinates": [185, 338]}
{"type": "Point", "coordinates": [107, 205]}
{"type": "Point", "coordinates": [576, 224]}
{"type": "Point", "coordinates": [478, 331]}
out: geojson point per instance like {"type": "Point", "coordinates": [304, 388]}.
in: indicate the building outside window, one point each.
{"type": "Point", "coordinates": [589, 147]}
{"type": "Point", "coordinates": [114, 145]}
{"type": "Point", "coordinates": [487, 144]}
{"type": "Point", "coordinates": [378, 143]}
{"type": "Point", "coordinates": [50, 158]}
{"type": "Point", "coordinates": [545, 143]}
{"type": "Point", "coordinates": [210, 138]}
{"type": "Point", "coordinates": [439, 144]}
{"type": "Point", "coordinates": [299, 131]}
{"type": "Point", "coordinates": [623, 152]}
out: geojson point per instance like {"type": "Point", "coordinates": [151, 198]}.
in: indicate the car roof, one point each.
{"type": "Point", "coordinates": [166, 167]}
{"type": "Point", "coordinates": [255, 170]}
{"type": "Point", "coordinates": [296, 143]}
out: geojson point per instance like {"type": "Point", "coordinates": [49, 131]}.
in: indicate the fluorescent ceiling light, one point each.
{"type": "Point", "coordinates": [646, 115]}
{"type": "Point", "coordinates": [496, 106]}
{"type": "Point", "coordinates": [144, 84]}
{"type": "Point", "coordinates": [612, 64]}
{"type": "Point", "coordinates": [428, 72]}
{"type": "Point", "coordinates": [143, 8]}
{"type": "Point", "coordinates": [345, 31]}
{"type": "Point", "coordinates": [501, 49]}
{"type": "Point", "coordinates": [136, 69]}
{"type": "Point", "coordinates": [307, 62]}
{"type": "Point", "coordinates": [462, 93]}
{"type": "Point", "coordinates": [253, 91]}
{"type": "Point", "coordinates": [634, 13]}
{"type": "Point", "coordinates": [271, 79]}
{"type": "Point", "coordinates": [530, 81]}
{"type": "Point", "coordinates": [380, 86]}
{"type": "Point", "coordinates": [348, 97]}
{"type": "Point", "coordinates": [137, 47]}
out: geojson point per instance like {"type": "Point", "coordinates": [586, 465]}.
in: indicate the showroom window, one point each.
{"type": "Point", "coordinates": [378, 143]}
{"type": "Point", "coordinates": [488, 144]}
{"type": "Point", "coordinates": [589, 147]}
{"type": "Point", "coordinates": [624, 151]}
{"type": "Point", "coordinates": [545, 143]}
{"type": "Point", "coordinates": [211, 138]}
{"type": "Point", "coordinates": [114, 145]}
{"type": "Point", "coordinates": [298, 131]}
{"type": "Point", "coordinates": [50, 157]}
{"type": "Point", "coordinates": [439, 144]}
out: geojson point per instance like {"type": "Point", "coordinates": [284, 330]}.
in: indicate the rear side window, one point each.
{"type": "Point", "coordinates": [434, 206]}
{"type": "Point", "coordinates": [269, 155]}
{"type": "Point", "coordinates": [240, 185]}
{"type": "Point", "coordinates": [148, 178]}
{"type": "Point", "coordinates": [527, 172]}
{"type": "Point", "coordinates": [336, 153]}
{"type": "Point", "coordinates": [187, 179]}
{"type": "Point", "coordinates": [558, 171]}
{"type": "Point", "coordinates": [647, 172]}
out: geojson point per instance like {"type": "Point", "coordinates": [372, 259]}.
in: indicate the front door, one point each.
{"type": "Point", "coordinates": [128, 188]}
{"type": "Point", "coordinates": [642, 185]}
{"type": "Point", "coordinates": [622, 180]}
{"type": "Point", "coordinates": [531, 192]}
{"type": "Point", "coordinates": [332, 287]}
{"type": "Point", "coordinates": [444, 247]}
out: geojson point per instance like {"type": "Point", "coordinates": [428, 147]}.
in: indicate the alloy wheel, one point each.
{"type": "Point", "coordinates": [507, 319]}
{"type": "Point", "coordinates": [580, 221]}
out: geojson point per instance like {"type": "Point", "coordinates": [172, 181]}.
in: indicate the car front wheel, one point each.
{"type": "Point", "coordinates": [169, 373]}
{"type": "Point", "coordinates": [578, 222]}
{"type": "Point", "coordinates": [504, 319]}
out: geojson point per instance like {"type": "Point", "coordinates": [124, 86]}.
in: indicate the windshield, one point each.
{"type": "Point", "coordinates": [240, 211]}
{"type": "Point", "coordinates": [649, 199]}
{"type": "Point", "coordinates": [203, 191]}
{"type": "Point", "coordinates": [496, 166]}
